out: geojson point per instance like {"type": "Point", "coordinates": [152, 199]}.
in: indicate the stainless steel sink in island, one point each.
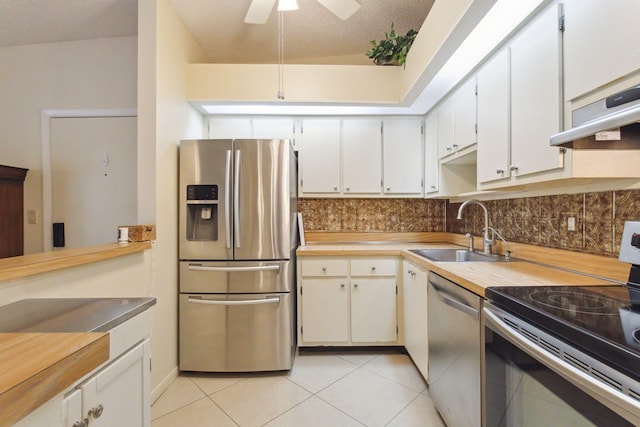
{"type": "Point", "coordinates": [84, 358]}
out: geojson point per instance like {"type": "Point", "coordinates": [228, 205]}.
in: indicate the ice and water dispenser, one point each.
{"type": "Point", "coordinates": [202, 213]}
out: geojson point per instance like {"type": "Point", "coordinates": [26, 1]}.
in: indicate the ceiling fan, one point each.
{"type": "Point", "coordinates": [259, 10]}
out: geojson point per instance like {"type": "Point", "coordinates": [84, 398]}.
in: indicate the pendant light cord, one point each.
{"type": "Point", "coordinates": [280, 56]}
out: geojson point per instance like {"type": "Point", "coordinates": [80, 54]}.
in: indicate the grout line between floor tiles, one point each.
{"type": "Point", "coordinates": [180, 407]}
{"type": "Point", "coordinates": [222, 409]}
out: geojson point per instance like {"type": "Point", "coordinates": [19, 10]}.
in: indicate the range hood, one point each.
{"type": "Point", "coordinates": [610, 123]}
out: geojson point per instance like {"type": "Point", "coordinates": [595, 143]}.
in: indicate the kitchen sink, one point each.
{"type": "Point", "coordinates": [456, 255]}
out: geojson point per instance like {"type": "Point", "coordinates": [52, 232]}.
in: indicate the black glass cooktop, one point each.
{"type": "Point", "coordinates": [600, 320]}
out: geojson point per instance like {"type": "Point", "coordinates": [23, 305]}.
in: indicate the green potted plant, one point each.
{"type": "Point", "coordinates": [393, 49]}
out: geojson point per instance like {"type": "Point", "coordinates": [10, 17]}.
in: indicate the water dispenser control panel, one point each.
{"type": "Point", "coordinates": [202, 192]}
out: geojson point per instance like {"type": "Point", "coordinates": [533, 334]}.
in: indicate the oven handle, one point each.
{"type": "Point", "coordinates": [574, 375]}
{"type": "Point", "coordinates": [454, 303]}
{"type": "Point", "coordinates": [270, 300]}
{"type": "Point", "coordinates": [271, 267]}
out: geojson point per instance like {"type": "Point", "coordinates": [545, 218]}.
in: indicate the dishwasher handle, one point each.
{"type": "Point", "coordinates": [270, 300]}
{"type": "Point", "coordinates": [451, 301]}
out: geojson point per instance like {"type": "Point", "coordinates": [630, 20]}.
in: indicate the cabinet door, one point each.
{"type": "Point", "coordinates": [274, 128]}
{"type": "Point", "coordinates": [431, 160]}
{"type": "Point", "coordinates": [373, 310]}
{"type": "Point", "coordinates": [119, 395]}
{"type": "Point", "coordinates": [535, 94]}
{"type": "Point", "coordinates": [493, 118]}
{"type": "Point", "coordinates": [320, 162]}
{"type": "Point", "coordinates": [464, 115]}
{"type": "Point", "coordinates": [402, 142]}
{"type": "Point", "coordinates": [601, 43]}
{"type": "Point", "coordinates": [325, 310]}
{"type": "Point", "coordinates": [72, 409]}
{"type": "Point", "coordinates": [361, 156]}
{"type": "Point", "coordinates": [229, 128]}
{"type": "Point", "coordinates": [445, 128]}
{"type": "Point", "coordinates": [415, 316]}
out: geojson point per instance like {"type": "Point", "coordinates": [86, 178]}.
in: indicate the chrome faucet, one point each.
{"type": "Point", "coordinates": [487, 243]}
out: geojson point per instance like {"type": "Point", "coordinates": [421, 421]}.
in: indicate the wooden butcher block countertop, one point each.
{"type": "Point", "coordinates": [543, 266]}
{"type": "Point", "coordinates": [35, 367]}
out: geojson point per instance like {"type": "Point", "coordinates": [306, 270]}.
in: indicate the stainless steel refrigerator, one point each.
{"type": "Point", "coordinates": [237, 242]}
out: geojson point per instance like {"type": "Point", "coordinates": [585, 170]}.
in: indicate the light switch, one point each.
{"type": "Point", "coordinates": [32, 216]}
{"type": "Point", "coordinates": [571, 223]}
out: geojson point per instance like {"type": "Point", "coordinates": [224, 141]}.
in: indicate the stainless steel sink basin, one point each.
{"type": "Point", "coordinates": [456, 255]}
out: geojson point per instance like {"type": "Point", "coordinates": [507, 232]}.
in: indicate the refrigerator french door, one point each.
{"type": "Point", "coordinates": [237, 255]}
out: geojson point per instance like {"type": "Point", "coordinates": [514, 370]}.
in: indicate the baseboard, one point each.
{"type": "Point", "coordinates": [164, 384]}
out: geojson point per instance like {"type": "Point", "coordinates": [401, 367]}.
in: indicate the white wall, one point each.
{"type": "Point", "coordinates": [88, 74]}
{"type": "Point", "coordinates": [165, 117]}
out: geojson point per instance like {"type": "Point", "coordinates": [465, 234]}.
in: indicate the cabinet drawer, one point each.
{"type": "Point", "coordinates": [374, 267]}
{"type": "Point", "coordinates": [324, 267]}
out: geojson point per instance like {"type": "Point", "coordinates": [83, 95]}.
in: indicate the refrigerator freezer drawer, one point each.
{"type": "Point", "coordinates": [235, 277]}
{"type": "Point", "coordinates": [236, 333]}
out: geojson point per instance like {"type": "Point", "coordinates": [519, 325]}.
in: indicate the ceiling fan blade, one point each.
{"type": "Point", "coordinates": [259, 11]}
{"type": "Point", "coordinates": [343, 9]}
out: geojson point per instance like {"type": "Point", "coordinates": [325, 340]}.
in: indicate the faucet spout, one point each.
{"type": "Point", "coordinates": [487, 241]}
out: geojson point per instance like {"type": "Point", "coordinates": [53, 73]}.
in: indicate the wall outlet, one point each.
{"type": "Point", "coordinates": [571, 223]}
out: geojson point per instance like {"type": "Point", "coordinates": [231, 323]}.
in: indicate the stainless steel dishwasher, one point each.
{"type": "Point", "coordinates": [453, 317]}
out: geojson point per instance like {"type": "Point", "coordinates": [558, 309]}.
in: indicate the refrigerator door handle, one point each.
{"type": "Point", "coordinates": [271, 267]}
{"type": "Point", "coordinates": [236, 202]}
{"type": "Point", "coordinates": [270, 300]}
{"type": "Point", "coordinates": [227, 203]}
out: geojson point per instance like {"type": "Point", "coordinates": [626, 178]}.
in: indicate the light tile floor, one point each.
{"type": "Point", "coordinates": [337, 389]}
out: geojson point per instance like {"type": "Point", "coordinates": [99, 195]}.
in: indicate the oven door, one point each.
{"type": "Point", "coordinates": [533, 379]}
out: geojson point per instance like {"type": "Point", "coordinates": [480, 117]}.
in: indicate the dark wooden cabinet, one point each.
{"type": "Point", "coordinates": [11, 211]}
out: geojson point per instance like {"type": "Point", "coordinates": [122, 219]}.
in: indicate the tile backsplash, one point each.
{"type": "Point", "coordinates": [541, 220]}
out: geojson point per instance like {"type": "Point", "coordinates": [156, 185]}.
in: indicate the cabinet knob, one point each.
{"type": "Point", "coordinates": [410, 271]}
{"type": "Point", "coordinates": [388, 188]}
{"type": "Point", "coordinates": [499, 171]}
{"type": "Point", "coordinates": [373, 268]}
{"type": "Point", "coordinates": [455, 146]}
{"type": "Point", "coordinates": [324, 269]}
{"type": "Point", "coordinates": [449, 148]}
{"type": "Point", "coordinates": [348, 189]}
{"type": "Point", "coordinates": [335, 188]}
{"type": "Point", "coordinates": [83, 423]}
{"type": "Point", "coordinates": [514, 167]}
{"type": "Point", "coordinates": [355, 285]}
{"type": "Point", "coordinates": [342, 285]}
{"type": "Point", "coordinates": [433, 187]}
{"type": "Point", "coordinates": [96, 412]}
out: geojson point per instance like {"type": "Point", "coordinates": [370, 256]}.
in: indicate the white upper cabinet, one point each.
{"type": "Point", "coordinates": [493, 119]}
{"type": "Point", "coordinates": [274, 128]}
{"type": "Point", "coordinates": [445, 128]}
{"type": "Point", "coordinates": [229, 128]}
{"type": "Point", "coordinates": [402, 142]}
{"type": "Point", "coordinates": [464, 115]}
{"type": "Point", "coordinates": [431, 164]}
{"type": "Point", "coordinates": [536, 54]}
{"type": "Point", "coordinates": [601, 43]}
{"type": "Point", "coordinates": [457, 120]}
{"type": "Point", "coordinates": [361, 156]}
{"type": "Point", "coordinates": [320, 161]}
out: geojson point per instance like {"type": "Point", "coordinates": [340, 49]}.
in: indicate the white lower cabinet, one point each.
{"type": "Point", "coordinates": [373, 310]}
{"type": "Point", "coordinates": [347, 301]}
{"type": "Point", "coordinates": [115, 394]}
{"type": "Point", "coordinates": [118, 394]}
{"type": "Point", "coordinates": [414, 284]}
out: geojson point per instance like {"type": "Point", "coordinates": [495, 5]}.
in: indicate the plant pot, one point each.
{"type": "Point", "coordinates": [387, 60]}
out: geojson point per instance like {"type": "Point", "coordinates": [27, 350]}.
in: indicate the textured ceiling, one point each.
{"type": "Point", "coordinates": [44, 21]}
{"type": "Point", "coordinates": [312, 34]}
